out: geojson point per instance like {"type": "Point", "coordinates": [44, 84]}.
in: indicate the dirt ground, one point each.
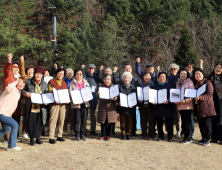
{"type": "Point", "coordinates": [113, 154]}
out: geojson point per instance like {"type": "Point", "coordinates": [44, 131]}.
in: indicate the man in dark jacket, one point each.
{"type": "Point", "coordinates": [134, 82]}
{"type": "Point", "coordinates": [92, 79]}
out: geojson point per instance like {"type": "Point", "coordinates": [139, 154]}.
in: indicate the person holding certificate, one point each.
{"type": "Point", "coordinates": [216, 76]}
{"type": "Point", "coordinates": [57, 111]}
{"type": "Point", "coordinates": [165, 109]}
{"type": "Point", "coordinates": [81, 108]}
{"type": "Point", "coordinates": [69, 113]}
{"type": "Point", "coordinates": [37, 115]}
{"type": "Point", "coordinates": [107, 115]}
{"type": "Point", "coordinates": [126, 114]}
{"type": "Point", "coordinates": [146, 111]}
{"type": "Point", "coordinates": [205, 106]}
{"type": "Point", "coordinates": [185, 107]}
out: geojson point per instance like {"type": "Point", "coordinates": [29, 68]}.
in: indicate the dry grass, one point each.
{"type": "Point", "coordinates": [114, 154]}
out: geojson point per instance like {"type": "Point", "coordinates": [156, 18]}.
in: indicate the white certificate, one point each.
{"type": "Point", "coordinates": [48, 98]}
{"type": "Point", "coordinates": [140, 93]}
{"type": "Point", "coordinates": [36, 98]}
{"type": "Point", "coordinates": [201, 90]}
{"type": "Point", "coordinates": [175, 95]}
{"type": "Point", "coordinates": [86, 94]}
{"type": "Point", "coordinates": [114, 91]}
{"type": "Point", "coordinates": [93, 89]}
{"type": "Point", "coordinates": [63, 96]}
{"type": "Point", "coordinates": [182, 93]}
{"type": "Point", "coordinates": [123, 100]}
{"type": "Point", "coordinates": [190, 93]}
{"type": "Point", "coordinates": [104, 93]}
{"type": "Point", "coordinates": [132, 101]}
{"type": "Point", "coordinates": [153, 96]}
{"type": "Point", "coordinates": [47, 78]}
{"type": "Point", "coordinates": [146, 93]}
{"type": "Point", "coordinates": [162, 96]}
{"type": "Point", "coordinates": [76, 97]}
{"type": "Point", "coordinates": [55, 93]}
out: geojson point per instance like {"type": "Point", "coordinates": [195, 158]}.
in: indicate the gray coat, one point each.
{"type": "Point", "coordinates": [30, 87]}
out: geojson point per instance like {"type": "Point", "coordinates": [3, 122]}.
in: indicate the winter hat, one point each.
{"type": "Point", "coordinates": [39, 69]}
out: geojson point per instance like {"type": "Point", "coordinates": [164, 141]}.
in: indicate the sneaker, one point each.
{"type": "Point", "coordinates": [38, 141]}
{"type": "Point", "coordinates": [83, 137]}
{"type": "Point", "coordinates": [14, 149]}
{"type": "Point", "coordinates": [52, 141]}
{"type": "Point", "coordinates": [77, 137]}
{"type": "Point", "coordinates": [170, 140]}
{"type": "Point", "coordinates": [185, 142]}
{"type": "Point", "coordinates": [151, 137]}
{"type": "Point", "coordinates": [25, 136]}
{"type": "Point", "coordinates": [123, 137]}
{"type": "Point", "coordinates": [178, 135]}
{"type": "Point", "coordinates": [32, 142]}
{"type": "Point", "coordinates": [5, 141]}
{"type": "Point", "coordinates": [64, 133]}
{"type": "Point", "coordinates": [18, 140]}
{"type": "Point", "coordinates": [101, 138]}
{"type": "Point", "coordinates": [200, 142]}
{"type": "Point", "coordinates": [108, 138]}
{"type": "Point", "coordinates": [206, 143]}
{"type": "Point", "coordinates": [128, 137]}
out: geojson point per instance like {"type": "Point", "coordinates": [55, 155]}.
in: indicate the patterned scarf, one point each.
{"type": "Point", "coordinates": [36, 107]}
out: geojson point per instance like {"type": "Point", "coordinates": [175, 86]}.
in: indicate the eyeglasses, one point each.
{"type": "Point", "coordinates": [78, 74]}
{"type": "Point", "coordinates": [173, 69]}
{"type": "Point", "coordinates": [15, 66]}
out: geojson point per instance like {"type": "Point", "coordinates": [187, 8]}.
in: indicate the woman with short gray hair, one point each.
{"type": "Point", "coordinates": [126, 114]}
{"type": "Point", "coordinates": [69, 114]}
{"type": "Point", "coordinates": [173, 68]}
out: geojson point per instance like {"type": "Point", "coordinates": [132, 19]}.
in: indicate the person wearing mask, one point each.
{"type": "Point", "coordinates": [216, 77]}
{"type": "Point", "coordinates": [149, 67]}
{"type": "Point", "coordinates": [27, 74]}
{"type": "Point", "coordinates": [77, 84]}
{"type": "Point", "coordinates": [185, 107]}
{"type": "Point", "coordinates": [134, 82]}
{"type": "Point", "coordinates": [146, 110]}
{"type": "Point", "coordinates": [92, 79]}
{"type": "Point", "coordinates": [164, 110]}
{"type": "Point", "coordinates": [126, 114]}
{"type": "Point", "coordinates": [57, 111]}
{"type": "Point", "coordinates": [11, 74]}
{"type": "Point", "coordinates": [107, 115]}
{"type": "Point", "coordinates": [8, 104]}
{"type": "Point", "coordinates": [205, 106]}
{"type": "Point", "coordinates": [37, 113]}
{"type": "Point", "coordinates": [69, 114]}
{"type": "Point", "coordinates": [172, 79]}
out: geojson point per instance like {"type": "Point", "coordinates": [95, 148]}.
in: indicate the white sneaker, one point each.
{"type": "Point", "coordinates": [178, 135]}
{"type": "Point", "coordinates": [14, 149]}
{"type": "Point", "coordinates": [18, 140]}
{"type": "Point", "coordinates": [25, 136]}
{"type": "Point", "coordinates": [5, 141]}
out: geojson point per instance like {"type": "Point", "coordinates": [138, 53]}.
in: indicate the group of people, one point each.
{"type": "Point", "coordinates": [17, 89]}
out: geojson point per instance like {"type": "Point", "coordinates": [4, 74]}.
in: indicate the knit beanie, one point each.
{"type": "Point", "coordinates": [39, 69]}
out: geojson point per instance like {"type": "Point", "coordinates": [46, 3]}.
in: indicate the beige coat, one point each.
{"type": "Point", "coordinates": [73, 86]}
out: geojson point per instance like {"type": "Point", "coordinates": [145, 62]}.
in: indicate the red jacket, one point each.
{"type": "Point", "coordinates": [8, 79]}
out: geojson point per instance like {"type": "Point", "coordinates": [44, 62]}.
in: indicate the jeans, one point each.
{"type": "Point", "coordinates": [8, 122]}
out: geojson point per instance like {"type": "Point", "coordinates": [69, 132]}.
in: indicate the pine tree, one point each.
{"type": "Point", "coordinates": [185, 52]}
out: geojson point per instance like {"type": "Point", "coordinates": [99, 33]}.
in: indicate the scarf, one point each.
{"type": "Point", "coordinates": [36, 107]}
{"type": "Point", "coordinates": [162, 84]}
{"type": "Point", "coordinates": [180, 83]}
{"type": "Point", "coordinates": [146, 84]}
{"type": "Point", "coordinates": [68, 81]}
{"type": "Point", "coordinates": [127, 85]}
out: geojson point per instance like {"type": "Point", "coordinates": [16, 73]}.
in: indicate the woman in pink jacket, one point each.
{"type": "Point", "coordinates": [8, 104]}
{"type": "Point", "coordinates": [185, 107]}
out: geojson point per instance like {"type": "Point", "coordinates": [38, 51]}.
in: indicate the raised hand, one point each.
{"type": "Point", "coordinates": [83, 65]}
{"type": "Point", "coordinates": [55, 65]}
{"type": "Point", "coordinates": [201, 62]}
{"type": "Point", "coordinates": [101, 67]}
{"type": "Point", "coordinates": [9, 56]}
{"type": "Point", "coordinates": [138, 60]}
{"type": "Point", "coordinates": [115, 69]}
{"type": "Point", "coordinates": [22, 58]}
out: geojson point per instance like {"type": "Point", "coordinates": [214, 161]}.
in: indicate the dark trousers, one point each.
{"type": "Point", "coordinates": [217, 120]}
{"type": "Point", "coordinates": [93, 118]}
{"type": "Point", "coordinates": [169, 124]}
{"type": "Point", "coordinates": [186, 123]}
{"type": "Point", "coordinates": [77, 112]}
{"type": "Point", "coordinates": [134, 124]}
{"type": "Point", "coordinates": [17, 119]}
{"type": "Point", "coordinates": [106, 128]}
{"type": "Point", "coordinates": [126, 123]}
{"type": "Point", "coordinates": [146, 116]}
{"type": "Point", "coordinates": [35, 125]}
{"type": "Point", "coordinates": [69, 118]}
{"type": "Point", "coordinates": [205, 124]}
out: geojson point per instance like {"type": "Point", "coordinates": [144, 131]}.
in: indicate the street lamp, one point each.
{"type": "Point", "coordinates": [54, 34]}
